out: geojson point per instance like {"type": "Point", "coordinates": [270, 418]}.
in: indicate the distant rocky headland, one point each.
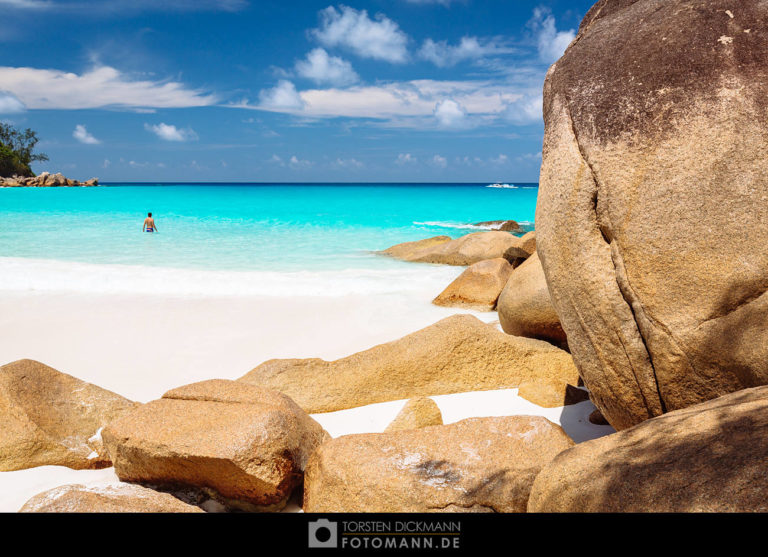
{"type": "Point", "coordinates": [45, 180]}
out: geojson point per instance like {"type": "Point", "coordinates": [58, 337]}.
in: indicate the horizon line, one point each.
{"type": "Point", "coordinates": [105, 182]}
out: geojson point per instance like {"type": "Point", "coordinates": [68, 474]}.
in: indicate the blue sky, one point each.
{"type": "Point", "coordinates": [262, 90]}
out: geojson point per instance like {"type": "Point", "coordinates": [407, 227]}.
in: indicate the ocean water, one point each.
{"type": "Point", "coordinates": [236, 238]}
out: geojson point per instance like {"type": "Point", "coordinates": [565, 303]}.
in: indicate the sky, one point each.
{"type": "Point", "coordinates": [283, 91]}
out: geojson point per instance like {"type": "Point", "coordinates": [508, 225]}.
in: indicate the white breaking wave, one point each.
{"type": "Point", "coordinates": [43, 275]}
{"type": "Point", "coordinates": [458, 225]}
{"type": "Point", "coordinates": [464, 226]}
{"type": "Point", "coordinates": [503, 186]}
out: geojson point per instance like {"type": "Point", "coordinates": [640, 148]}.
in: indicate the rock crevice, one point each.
{"type": "Point", "coordinates": [651, 218]}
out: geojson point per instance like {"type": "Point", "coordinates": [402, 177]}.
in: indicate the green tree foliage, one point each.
{"type": "Point", "coordinates": [17, 151]}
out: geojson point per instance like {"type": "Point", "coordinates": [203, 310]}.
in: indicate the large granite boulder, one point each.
{"type": "Point", "coordinates": [418, 412]}
{"type": "Point", "coordinates": [51, 418]}
{"type": "Point", "coordinates": [462, 251]}
{"type": "Point", "coordinates": [408, 249]}
{"type": "Point", "coordinates": [244, 445]}
{"type": "Point", "coordinates": [476, 465]}
{"type": "Point", "coordinates": [525, 306]}
{"type": "Point", "coordinates": [120, 498]}
{"type": "Point", "coordinates": [458, 354]}
{"type": "Point", "coordinates": [652, 220]}
{"type": "Point", "coordinates": [478, 287]}
{"type": "Point", "coordinates": [706, 458]}
{"type": "Point", "coordinates": [528, 242]}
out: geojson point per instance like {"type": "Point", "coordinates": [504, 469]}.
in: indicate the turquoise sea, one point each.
{"type": "Point", "coordinates": [256, 228]}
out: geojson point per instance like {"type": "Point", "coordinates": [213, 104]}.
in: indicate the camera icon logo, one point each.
{"type": "Point", "coordinates": [323, 533]}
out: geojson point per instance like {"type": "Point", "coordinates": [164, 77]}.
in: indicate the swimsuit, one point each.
{"type": "Point", "coordinates": [149, 229]}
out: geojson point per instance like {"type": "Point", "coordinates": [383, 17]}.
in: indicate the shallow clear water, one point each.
{"type": "Point", "coordinates": [245, 227]}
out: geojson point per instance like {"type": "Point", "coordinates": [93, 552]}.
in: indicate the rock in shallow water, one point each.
{"type": "Point", "coordinates": [503, 225]}
{"type": "Point", "coordinates": [121, 498]}
{"type": "Point", "coordinates": [408, 249]}
{"type": "Point", "coordinates": [462, 251]}
{"type": "Point", "coordinates": [51, 418]}
{"type": "Point", "coordinates": [476, 465]}
{"type": "Point", "coordinates": [458, 354]}
{"type": "Point", "coordinates": [45, 179]}
{"type": "Point", "coordinates": [246, 445]}
{"type": "Point", "coordinates": [706, 458]}
{"type": "Point", "coordinates": [478, 287]}
{"type": "Point", "coordinates": [656, 127]}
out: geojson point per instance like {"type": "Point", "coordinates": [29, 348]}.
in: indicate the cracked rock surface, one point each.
{"type": "Point", "coordinates": [652, 218]}
{"type": "Point", "coordinates": [705, 458]}
{"type": "Point", "coordinates": [49, 418]}
{"type": "Point", "coordinates": [455, 355]}
{"type": "Point", "coordinates": [475, 465]}
{"type": "Point", "coordinates": [243, 445]}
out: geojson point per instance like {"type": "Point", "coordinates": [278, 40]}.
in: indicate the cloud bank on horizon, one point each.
{"type": "Point", "coordinates": [337, 94]}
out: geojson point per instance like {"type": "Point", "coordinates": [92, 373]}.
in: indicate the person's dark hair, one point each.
{"type": "Point", "coordinates": [149, 214]}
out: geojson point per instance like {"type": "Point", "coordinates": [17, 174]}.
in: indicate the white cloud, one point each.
{"type": "Point", "coordinates": [283, 97]}
{"type": "Point", "coordinates": [450, 114]}
{"type": "Point", "coordinates": [405, 104]}
{"type": "Point", "coordinates": [499, 160]}
{"type": "Point", "coordinates": [379, 38]}
{"type": "Point", "coordinates": [445, 55]}
{"type": "Point", "coordinates": [324, 69]}
{"type": "Point", "coordinates": [9, 104]}
{"type": "Point", "coordinates": [168, 132]}
{"type": "Point", "coordinates": [82, 135]}
{"type": "Point", "coordinates": [551, 42]}
{"type": "Point", "coordinates": [470, 161]}
{"type": "Point", "coordinates": [26, 4]}
{"type": "Point", "coordinates": [112, 7]}
{"type": "Point", "coordinates": [296, 162]}
{"type": "Point", "coordinates": [528, 157]}
{"type": "Point", "coordinates": [439, 161]}
{"type": "Point", "coordinates": [99, 87]}
{"type": "Point", "coordinates": [350, 163]}
{"type": "Point", "coordinates": [527, 110]}
{"type": "Point", "coordinates": [405, 158]}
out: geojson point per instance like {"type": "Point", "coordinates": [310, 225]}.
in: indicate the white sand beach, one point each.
{"type": "Point", "coordinates": [140, 346]}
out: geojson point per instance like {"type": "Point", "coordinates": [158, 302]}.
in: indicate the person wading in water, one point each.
{"type": "Point", "coordinates": [149, 224]}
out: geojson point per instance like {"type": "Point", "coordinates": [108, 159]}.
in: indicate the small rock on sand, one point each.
{"type": "Point", "coordinates": [417, 412]}
{"type": "Point", "coordinates": [120, 498]}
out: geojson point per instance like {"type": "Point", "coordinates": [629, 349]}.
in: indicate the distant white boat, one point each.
{"type": "Point", "coordinates": [503, 186]}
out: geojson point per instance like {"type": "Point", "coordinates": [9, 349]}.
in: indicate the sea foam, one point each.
{"type": "Point", "coordinates": [44, 275]}
{"type": "Point", "coordinates": [465, 226]}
